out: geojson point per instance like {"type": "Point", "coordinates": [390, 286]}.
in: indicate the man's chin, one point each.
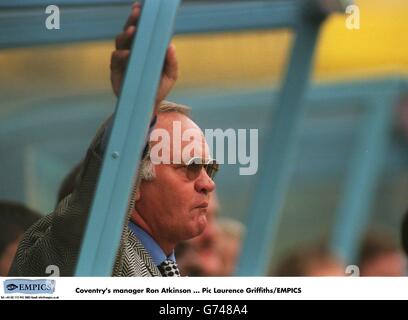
{"type": "Point", "coordinates": [196, 225]}
{"type": "Point", "coordinates": [200, 225]}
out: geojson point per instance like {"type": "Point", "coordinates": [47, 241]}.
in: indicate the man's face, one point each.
{"type": "Point", "coordinates": [173, 206]}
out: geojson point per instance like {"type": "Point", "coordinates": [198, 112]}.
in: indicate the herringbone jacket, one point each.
{"type": "Point", "coordinates": [56, 238]}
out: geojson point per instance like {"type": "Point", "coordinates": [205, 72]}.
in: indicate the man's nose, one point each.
{"type": "Point", "coordinates": [204, 183]}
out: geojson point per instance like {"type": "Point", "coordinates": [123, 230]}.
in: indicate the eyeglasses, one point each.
{"type": "Point", "coordinates": [195, 165]}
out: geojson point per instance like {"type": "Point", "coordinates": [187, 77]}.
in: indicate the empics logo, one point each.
{"type": "Point", "coordinates": [29, 286]}
{"type": "Point", "coordinates": [11, 287]}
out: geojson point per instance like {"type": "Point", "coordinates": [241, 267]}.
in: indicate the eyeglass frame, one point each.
{"type": "Point", "coordinates": [210, 172]}
{"type": "Point", "coordinates": [146, 155]}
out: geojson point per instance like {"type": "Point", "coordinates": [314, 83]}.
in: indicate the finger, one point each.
{"type": "Point", "coordinates": [171, 64]}
{"type": "Point", "coordinates": [124, 40]}
{"type": "Point", "coordinates": [134, 16]}
{"type": "Point", "coordinates": [119, 60]}
{"type": "Point", "coordinates": [137, 5]}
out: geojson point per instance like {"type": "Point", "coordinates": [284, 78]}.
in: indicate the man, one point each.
{"type": "Point", "coordinates": [172, 201]}
{"type": "Point", "coordinates": [404, 233]}
{"type": "Point", "coordinates": [231, 234]}
{"type": "Point", "coordinates": [381, 256]}
{"type": "Point", "coordinates": [15, 220]}
{"type": "Point", "coordinates": [168, 206]}
{"type": "Point", "coordinates": [312, 261]}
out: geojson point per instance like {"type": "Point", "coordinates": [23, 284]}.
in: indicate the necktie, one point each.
{"type": "Point", "coordinates": [169, 268]}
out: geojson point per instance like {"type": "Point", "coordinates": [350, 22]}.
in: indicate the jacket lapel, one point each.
{"type": "Point", "coordinates": [144, 255]}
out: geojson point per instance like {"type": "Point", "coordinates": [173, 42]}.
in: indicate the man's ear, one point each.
{"type": "Point", "coordinates": [136, 199]}
{"type": "Point", "coordinates": [137, 194]}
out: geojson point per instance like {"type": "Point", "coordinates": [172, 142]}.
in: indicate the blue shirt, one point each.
{"type": "Point", "coordinates": [157, 254]}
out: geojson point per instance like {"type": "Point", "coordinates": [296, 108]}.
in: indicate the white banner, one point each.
{"type": "Point", "coordinates": [196, 288]}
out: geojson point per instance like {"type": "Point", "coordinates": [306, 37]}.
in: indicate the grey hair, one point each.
{"type": "Point", "coordinates": [146, 171]}
{"type": "Point", "coordinates": [167, 106]}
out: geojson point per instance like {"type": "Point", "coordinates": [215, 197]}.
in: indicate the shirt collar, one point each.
{"type": "Point", "coordinates": [157, 254]}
